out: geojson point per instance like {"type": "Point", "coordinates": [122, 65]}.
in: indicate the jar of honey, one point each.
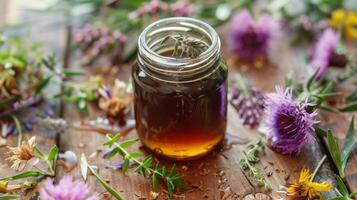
{"type": "Point", "coordinates": [180, 88]}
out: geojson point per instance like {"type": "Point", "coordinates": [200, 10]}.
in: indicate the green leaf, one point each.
{"type": "Point", "coordinates": [8, 197]}
{"type": "Point", "coordinates": [312, 80]}
{"type": "Point", "coordinates": [111, 140]}
{"type": "Point", "coordinates": [155, 182]}
{"type": "Point", "coordinates": [126, 164]}
{"type": "Point", "coordinates": [53, 153]}
{"type": "Point", "coordinates": [349, 143]}
{"type": "Point", "coordinates": [349, 108]}
{"type": "Point", "coordinates": [49, 63]}
{"type": "Point", "coordinates": [43, 83]}
{"type": "Point", "coordinates": [353, 194]}
{"type": "Point", "coordinates": [325, 107]}
{"type": "Point", "coordinates": [40, 153]}
{"type": "Point", "coordinates": [338, 198]}
{"type": "Point", "coordinates": [326, 95]}
{"type": "Point", "coordinates": [342, 187]}
{"type": "Point", "coordinates": [84, 167]}
{"type": "Point", "coordinates": [105, 184]}
{"type": "Point", "coordinates": [69, 73]}
{"type": "Point", "coordinates": [352, 96]}
{"type": "Point", "coordinates": [319, 131]}
{"type": "Point", "coordinates": [23, 175]}
{"type": "Point", "coordinates": [335, 152]}
{"type": "Point", "coordinates": [135, 154]}
{"type": "Point", "coordinates": [128, 143]}
{"type": "Point", "coordinates": [112, 152]}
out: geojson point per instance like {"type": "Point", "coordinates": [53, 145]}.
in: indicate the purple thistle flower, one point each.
{"type": "Point", "coordinates": [323, 52]}
{"type": "Point", "coordinates": [290, 126]}
{"type": "Point", "coordinates": [250, 39]}
{"type": "Point", "coordinates": [181, 9]}
{"type": "Point", "coordinates": [67, 188]}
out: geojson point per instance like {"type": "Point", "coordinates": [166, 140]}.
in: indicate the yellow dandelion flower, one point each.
{"type": "Point", "coordinates": [306, 189]}
{"type": "Point", "coordinates": [23, 154]}
{"type": "Point", "coordinates": [345, 19]}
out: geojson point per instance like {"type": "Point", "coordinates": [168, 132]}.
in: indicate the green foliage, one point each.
{"type": "Point", "coordinates": [340, 157]}
{"type": "Point", "coordinates": [81, 93]}
{"type": "Point", "coordinates": [250, 158]}
{"type": "Point", "coordinates": [146, 166]}
{"type": "Point", "coordinates": [25, 71]}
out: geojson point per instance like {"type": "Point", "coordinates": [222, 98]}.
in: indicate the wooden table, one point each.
{"type": "Point", "coordinates": [216, 176]}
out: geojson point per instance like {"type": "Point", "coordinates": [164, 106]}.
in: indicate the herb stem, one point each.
{"type": "Point", "coordinates": [136, 161]}
{"type": "Point", "coordinates": [242, 85]}
{"type": "Point", "coordinates": [318, 167]}
{"type": "Point", "coordinates": [18, 127]}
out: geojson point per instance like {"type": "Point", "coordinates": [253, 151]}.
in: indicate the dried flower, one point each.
{"type": "Point", "coordinates": [23, 154]}
{"type": "Point", "coordinates": [250, 39]}
{"type": "Point", "coordinates": [181, 9]}
{"type": "Point", "coordinates": [305, 188]}
{"type": "Point", "coordinates": [115, 101]}
{"type": "Point", "coordinates": [289, 125]}
{"type": "Point", "coordinates": [323, 52]}
{"type": "Point", "coordinates": [67, 188]}
{"type": "Point", "coordinates": [345, 19]}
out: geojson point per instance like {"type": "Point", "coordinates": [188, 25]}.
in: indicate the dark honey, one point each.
{"type": "Point", "coordinates": [181, 116]}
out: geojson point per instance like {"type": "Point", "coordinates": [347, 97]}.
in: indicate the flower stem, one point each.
{"type": "Point", "coordinates": [318, 167]}
{"type": "Point", "coordinates": [18, 127]}
{"type": "Point", "coordinates": [242, 85]}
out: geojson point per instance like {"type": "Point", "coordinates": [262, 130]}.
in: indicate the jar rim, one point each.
{"type": "Point", "coordinates": [215, 42]}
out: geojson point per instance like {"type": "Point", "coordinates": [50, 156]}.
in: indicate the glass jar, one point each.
{"type": "Point", "coordinates": [180, 88]}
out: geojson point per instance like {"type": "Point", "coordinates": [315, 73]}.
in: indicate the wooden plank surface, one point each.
{"type": "Point", "coordinates": [216, 176]}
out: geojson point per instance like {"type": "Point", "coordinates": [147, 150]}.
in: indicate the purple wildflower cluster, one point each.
{"type": "Point", "coordinates": [250, 39]}
{"type": "Point", "coordinates": [290, 126]}
{"type": "Point", "coordinates": [324, 51]}
{"type": "Point", "coordinates": [250, 108]}
{"type": "Point", "coordinates": [155, 7]}
{"type": "Point", "coordinates": [97, 39]}
{"type": "Point", "coordinates": [67, 188]}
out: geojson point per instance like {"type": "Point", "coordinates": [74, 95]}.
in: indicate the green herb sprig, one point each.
{"type": "Point", "coordinates": [250, 158]}
{"type": "Point", "coordinates": [145, 167]}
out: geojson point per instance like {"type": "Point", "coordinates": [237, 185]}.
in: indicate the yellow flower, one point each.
{"type": "Point", "coordinates": [23, 154]}
{"type": "Point", "coordinates": [347, 20]}
{"type": "Point", "coordinates": [306, 189]}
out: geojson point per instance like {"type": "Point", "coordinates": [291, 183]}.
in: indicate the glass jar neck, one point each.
{"type": "Point", "coordinates": [167, 35]}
